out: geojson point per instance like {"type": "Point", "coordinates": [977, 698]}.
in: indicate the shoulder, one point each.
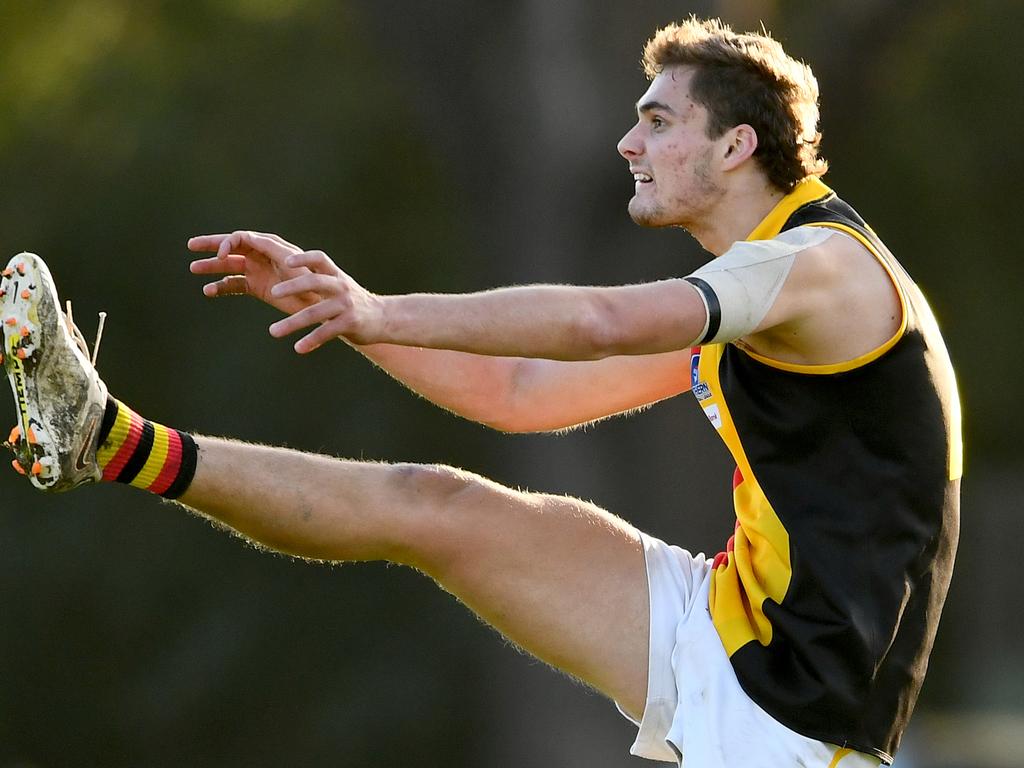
{"type": "Point", "coordinates": [833, 265]}
{"type": "Point", "coordinates": [785, 245]}
{"type": "Point", "coordinates": [838, 300]}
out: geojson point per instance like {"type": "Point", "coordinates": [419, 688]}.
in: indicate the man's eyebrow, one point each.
{"type": "Point", "coordinates": [652, 106]}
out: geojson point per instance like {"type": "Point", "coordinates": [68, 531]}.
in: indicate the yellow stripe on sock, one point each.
{"type": "Point", "coordinates": [118, 434]}
{"type": "Point", "coordinates": [157, 457]}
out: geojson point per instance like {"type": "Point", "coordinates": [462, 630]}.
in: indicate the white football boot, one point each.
{"type": "Point", "coordinates": [59, 396]}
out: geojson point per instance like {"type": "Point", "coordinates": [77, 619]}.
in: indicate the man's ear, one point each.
{"type": "Point", "coordinates": [739, 144]}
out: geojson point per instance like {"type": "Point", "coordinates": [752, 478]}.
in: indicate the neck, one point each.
{"type": "Point", "coordinates": [734, 216]}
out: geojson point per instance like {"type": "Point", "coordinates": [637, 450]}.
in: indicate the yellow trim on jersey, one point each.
{"type": "Point", "coordinates": [807, 191]}
{"type": "Point", "coordinates": [839, 755]}
{"type": "Point", "coordinates": [763, 232]}
{"type": "Point", "coordinates": [758, 568]}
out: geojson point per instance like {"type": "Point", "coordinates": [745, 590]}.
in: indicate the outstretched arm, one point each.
{"type": "Point", "coordinates": [513, 394]}
{"type": "Point", "coordinates": [545, 321]}
{"type": "Point", "coordinates": [553, 322]}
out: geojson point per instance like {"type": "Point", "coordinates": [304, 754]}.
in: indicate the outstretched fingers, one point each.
{"type": "Point", "coordinates": [206, 243]}
{"type": "Point", "coordinates": [231, 265]}
{"type": "Point", "coordinates": [318, 313]}
{"type": "Point", "coordinates": [245, 243]}
{"type": "Point", "coordinates": [317, 338]}
{"type": "Point", "coordinates": [315, 261]}
{"type": "Point", "coordinates": [307, 284]}
{"type": "Point", "coordinates": [324, 285]}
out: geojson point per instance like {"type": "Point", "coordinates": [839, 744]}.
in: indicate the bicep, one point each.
{"type": "Point", "coordinates": [548, 395]}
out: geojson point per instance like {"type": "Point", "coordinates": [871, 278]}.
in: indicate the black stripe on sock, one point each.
{"type": "Point", "coordinates": [187, 471]}
{"type": "Point", "coordinates": [109, 419]}
{"type": "Point", "coordinates": [141, 455]}
{"type": "Point", "coordinates": [714, 307]}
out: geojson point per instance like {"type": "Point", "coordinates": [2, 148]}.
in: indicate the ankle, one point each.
{"type": "Point", "coordinates": [144, 454]}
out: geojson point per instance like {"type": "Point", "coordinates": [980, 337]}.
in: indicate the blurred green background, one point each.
{"type": "Point", "coordinates": [440, 147]}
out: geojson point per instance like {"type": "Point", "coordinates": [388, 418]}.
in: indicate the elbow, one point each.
{"type": "Point", "coordinates": [613, 335]}
{"type": "Point", "coordinates": [513, 408]}
{"type": "Point", "coordinates": [500, 408]}
{"type": "Point", "coordinates": [599, 331]}
{"type": "Point", "coordinates": [509, 420]}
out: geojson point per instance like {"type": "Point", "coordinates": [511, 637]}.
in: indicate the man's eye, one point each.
{"type": "Point", "coordinates": [657, 122]}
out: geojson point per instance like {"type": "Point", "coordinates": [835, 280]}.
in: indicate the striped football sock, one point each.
{"type": "Point", "coordinates": [146, 455]}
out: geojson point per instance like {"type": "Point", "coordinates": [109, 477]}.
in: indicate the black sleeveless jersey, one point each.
{"type": "Point", "coordinates": [846, 493]}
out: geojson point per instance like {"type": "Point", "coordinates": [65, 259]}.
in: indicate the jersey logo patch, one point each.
{"type": "Point", "coordinates": [699, 388]}
{"type": "Point", "coordinates": [714, 416]}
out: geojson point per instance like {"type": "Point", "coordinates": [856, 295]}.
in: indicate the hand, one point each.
{"type": "Point", "coordinates": [253, 262]}
{"type": "Point", "coordinates": [306, 285]}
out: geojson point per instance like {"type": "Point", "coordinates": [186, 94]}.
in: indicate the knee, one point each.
{"type": "Point", "coordinates": [430, 482]}
{"type": "Point", "coordinates": [448, 508]}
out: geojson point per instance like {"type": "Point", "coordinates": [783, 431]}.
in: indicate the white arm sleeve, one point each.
{"type": "Point", "coordinates": [741, 285]}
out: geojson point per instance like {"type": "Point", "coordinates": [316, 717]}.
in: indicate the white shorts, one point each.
{"type": "Point", "coordinates": [695, 706]}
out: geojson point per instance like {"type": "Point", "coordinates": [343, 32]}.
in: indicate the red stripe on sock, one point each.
{"type": "Point", "coordinates": [171, 464]}
{"type": "Point", "coordinates": [113, 469]}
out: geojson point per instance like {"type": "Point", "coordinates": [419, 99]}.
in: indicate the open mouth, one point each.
{"type": "Point", "coordinates": [642, 178]}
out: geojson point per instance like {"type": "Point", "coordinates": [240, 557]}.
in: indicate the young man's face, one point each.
{"type": "Point", "coordinates": [670, 155]}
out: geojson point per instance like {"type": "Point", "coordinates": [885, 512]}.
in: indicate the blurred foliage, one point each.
{"type": "Point", "coordinates": [439, 147]}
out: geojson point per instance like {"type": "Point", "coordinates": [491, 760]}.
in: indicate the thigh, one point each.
{"type": "Point", "coordinates": [560, 577]}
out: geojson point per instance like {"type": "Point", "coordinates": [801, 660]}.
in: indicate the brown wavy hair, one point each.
{"type": "Point", "coordinates": [747, 78]}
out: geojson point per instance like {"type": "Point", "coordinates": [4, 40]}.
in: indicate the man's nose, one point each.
{"type": "Point", "coordinates": [630, 146]}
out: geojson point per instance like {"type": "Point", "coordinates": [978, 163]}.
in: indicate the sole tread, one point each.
{"type": "Point", "coordinates": [21, 332]}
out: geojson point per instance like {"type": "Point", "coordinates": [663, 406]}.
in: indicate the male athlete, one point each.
{"type": "Point", "coordinates": [813, 354]}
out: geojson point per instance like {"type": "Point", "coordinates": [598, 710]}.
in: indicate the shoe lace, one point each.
{"type": "Point", "coordinates": [76, 334]}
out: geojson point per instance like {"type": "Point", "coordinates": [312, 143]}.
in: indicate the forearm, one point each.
{"type": "Point", "coordinates": [548, 321]}
{"type": "Point", "coordinates": [476, 387]}
{"type": "Point", "coordinates": [515, 394]}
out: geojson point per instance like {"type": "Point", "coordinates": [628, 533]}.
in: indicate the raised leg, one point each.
{"type": "Point", "coordinates": [559, 577]}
